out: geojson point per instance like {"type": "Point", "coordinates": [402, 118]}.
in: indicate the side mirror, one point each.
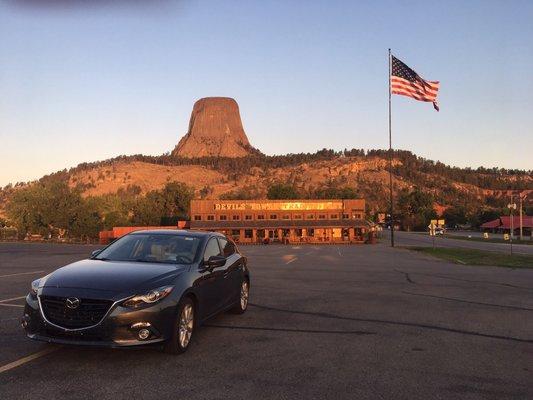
{"type": "Point", "coordinates": [215, 262]}
{"type": "Point", "coordinates": [96, 252]}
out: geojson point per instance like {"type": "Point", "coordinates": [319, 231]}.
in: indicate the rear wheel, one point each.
{"type": "Point", "coordinates": [242, 305]}
{"type": "Point", "coordinates": [183, 328]}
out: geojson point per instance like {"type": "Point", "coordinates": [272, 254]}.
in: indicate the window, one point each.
{"type": "Point", "coordinates": [260, 216]}
{"type": "Point", "coordinates": [210, 217]}
{"type": "Point", "coordinates": [197, 217]}
{"type": "Point", "coordinates": [357, 216]}
{"type": "Point", "coordinates": [247, 217]}
{"type": "Point", "coordinates": [236, 217]}
{"type": "Point", "coordinates": [228, 248]}
{"type": "Point", "coordinates": [223, 217]}
{"type": "Point", "coordinates": [345, 216]}
{"type": "Point", "coordinates": [153, 248]}
{"type": "Point", "coordinates": [273, 216]}
{"type": "Point", "coordinates": [212, 249]}
{"type": "Point", "coordinates": [334, 216]}
{"type": "Point", "coordinates": [321, 216]}
{"type": "Point", "coordinates": [286, 216]}
{"type": "Point", "coordinates": [248, 234]}
{"type": "Point", "coordinates": [297, 216]}
{"type": "Point", "coordinates": [310, 216]}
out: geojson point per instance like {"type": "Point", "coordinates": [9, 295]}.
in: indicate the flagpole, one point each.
{"type": "Point", "coordinates": [390, 159]}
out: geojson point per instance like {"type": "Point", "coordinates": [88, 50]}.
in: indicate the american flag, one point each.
{"type": "Point", "coordinates": [406, 82]}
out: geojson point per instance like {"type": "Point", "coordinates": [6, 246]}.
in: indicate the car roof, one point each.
{"type": "Point", "coordinates": [177, 232]}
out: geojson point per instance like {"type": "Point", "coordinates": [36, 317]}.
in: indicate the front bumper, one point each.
{"type": "Point", "coordinates": [120, 327]}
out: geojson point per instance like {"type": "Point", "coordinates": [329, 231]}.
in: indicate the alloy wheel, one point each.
{"type": "Point", "coordinates": [245, 292]}
{"type": "Point", "coordinates": [186, 325]}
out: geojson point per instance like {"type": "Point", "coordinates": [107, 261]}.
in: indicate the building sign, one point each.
{"type": "Point", "coordinates": [280, 206]}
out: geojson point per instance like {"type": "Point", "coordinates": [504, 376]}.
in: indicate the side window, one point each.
{"type": "Point", "coordinates": [228, 248]}
{"type": "Point", "coordinates": [212, 249]}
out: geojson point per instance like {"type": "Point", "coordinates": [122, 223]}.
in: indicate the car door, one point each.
{"type": "Point", "coordinates": [232, 271]}
{"type": "Point", "coordinates": [211, 282]}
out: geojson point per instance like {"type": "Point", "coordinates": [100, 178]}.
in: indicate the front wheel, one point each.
{"type": "Point", "coordinates": [183, 328]}
{"type": "Point", "coordinates": [242, 305]}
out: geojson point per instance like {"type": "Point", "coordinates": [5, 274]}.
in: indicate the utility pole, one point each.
{"type": "Point", "coordinates": [511, 206]}
{"type": "Point", "coordinates": [521, 224]}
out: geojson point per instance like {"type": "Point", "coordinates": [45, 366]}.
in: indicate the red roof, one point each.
{"type": "Point", "coordinates": [492, 224]}
{"type": "Point", "coordinates": [505, 222]}
{"type": "Point", "coordinates": [527, 221]}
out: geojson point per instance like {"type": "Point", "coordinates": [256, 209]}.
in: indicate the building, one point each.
{"type": "Point", "coordinates": [503, 225]}
{"type": "Point", "coordinates": [286, 221]}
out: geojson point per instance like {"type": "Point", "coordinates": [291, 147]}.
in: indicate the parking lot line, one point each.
{"type": "Point", "coordinates": [27, 359]}
{"type": "Point", "coordinates": [291, 260]}
{"type": "Point", "coordinates": [12, 299]}
{"type": "Point", "coordinates": [21, 273]}
{"type": "Point", "coordinates": [11, 305]}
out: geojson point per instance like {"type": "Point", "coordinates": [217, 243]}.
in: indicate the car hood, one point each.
{"type": "Point", "coordinates": [111, 277]}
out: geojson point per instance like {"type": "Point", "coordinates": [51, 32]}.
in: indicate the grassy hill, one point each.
{"type": "Point", "coordinates": [366, 172]}
{"type": "Point", "coordinates": [323, 174]}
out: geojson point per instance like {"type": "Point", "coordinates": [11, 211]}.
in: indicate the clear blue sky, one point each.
{"type": "Point", "coordinates": [84, 83]}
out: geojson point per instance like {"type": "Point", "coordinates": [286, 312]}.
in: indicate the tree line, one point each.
{"type": "Point", "coordinates": [53, 209]}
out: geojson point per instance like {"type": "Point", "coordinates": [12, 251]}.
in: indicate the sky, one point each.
{"type": "Point", "coordinates": [81, 83]}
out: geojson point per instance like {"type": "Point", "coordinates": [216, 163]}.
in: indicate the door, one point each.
{"type": "Point", "coordinates": [211, 283]}
{"type": "Point", "coordinates": [232, 271]}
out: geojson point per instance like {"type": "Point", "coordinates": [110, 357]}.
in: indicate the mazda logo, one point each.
{"type": "Point", "coordinates": [72, 302]}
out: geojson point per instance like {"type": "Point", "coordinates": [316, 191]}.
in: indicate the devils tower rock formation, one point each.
{"type": "Point", "coordinates": [215, 130]}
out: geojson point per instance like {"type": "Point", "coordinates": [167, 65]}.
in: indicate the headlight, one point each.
{"type": "Point", "coordinates": [35, 287]}
{"type": "Point", "coordinates": [37, 283]}
{"type": "Point", "coordinates": [150, 297]}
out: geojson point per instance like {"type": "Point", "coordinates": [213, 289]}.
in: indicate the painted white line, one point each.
{"type": "Point", "coordinates": [11, 299]}
{"type": "Point", "coordinates": [11, 305]}
{"type": "Point", "coordinates": [20, 273]}
{"type": "Point", "coordinates": [291, 260]}
{"type": "Point", "coordinates": [27, 359]}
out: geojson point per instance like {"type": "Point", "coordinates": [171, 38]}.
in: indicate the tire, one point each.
{"type": "Point", "coordinates": [183, 328]}
{"type": "Point", "coordinates": [242, 304]}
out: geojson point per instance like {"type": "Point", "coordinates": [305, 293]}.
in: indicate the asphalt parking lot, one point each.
{"type": "Point", "coordinates": [353, 322]}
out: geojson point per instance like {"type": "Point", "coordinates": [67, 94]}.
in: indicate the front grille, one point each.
{"type": "Point", "coordinates": [89, 312]}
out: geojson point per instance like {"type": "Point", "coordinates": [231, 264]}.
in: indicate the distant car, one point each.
{"type": "Point", "coordinates": [440, 231]}
{"type": "Point", "coordinates": [147, 287]}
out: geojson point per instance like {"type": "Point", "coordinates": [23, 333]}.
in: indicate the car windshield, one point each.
{"type": "Point", "coordinates": [153, 248]}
